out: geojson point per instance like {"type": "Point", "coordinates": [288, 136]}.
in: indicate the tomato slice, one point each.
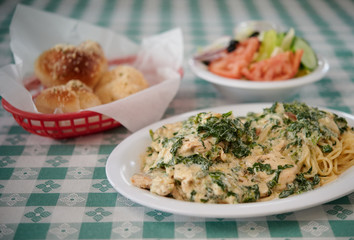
{"type": "Point", "coordinates": [280, 67]}
{"type": "Point", "coordinates": [226, 69]}
{"type": "Point", "coordinates": [297, 60]}
{"type": "Point", "coordinates": [232, 64]}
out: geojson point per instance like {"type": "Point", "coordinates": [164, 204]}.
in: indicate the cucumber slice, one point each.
{"type": "Point", "coordinates": [309, 58]}
{"type": "Point", "coordinates": [280, 37]}
{"type": "Point", "coordinates": [288, 40]}
{"type": "Point", "coordinates": [269, 42]}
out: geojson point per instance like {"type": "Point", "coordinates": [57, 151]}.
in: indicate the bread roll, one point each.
{"type": "Point", "coordinates": [58, 65]}
{"type": "Point", "coordinates": [57, 99]}
{"type": "Point", "coordinates": [71, 97]}
{"type": "Point", "coordinates": [119, 83]}
{"type": "Point", "coordinates": [85, 94]}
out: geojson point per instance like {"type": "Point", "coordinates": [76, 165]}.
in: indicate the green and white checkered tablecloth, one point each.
{"type": "Point", "coordinates": [57, 189]}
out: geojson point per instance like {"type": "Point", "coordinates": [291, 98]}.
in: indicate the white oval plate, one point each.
{"type": "Point", "coordinates": [124, 162]}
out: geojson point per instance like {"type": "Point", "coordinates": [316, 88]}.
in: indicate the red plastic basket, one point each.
{"type": "Point", "coordinates": [66, 125]}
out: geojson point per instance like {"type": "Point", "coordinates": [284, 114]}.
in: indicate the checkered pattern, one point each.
{"type": "Point", "coordinates": [58, 189]}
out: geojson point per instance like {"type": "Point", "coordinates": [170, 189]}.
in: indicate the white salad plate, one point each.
{"type": "Point", "coordinates": [124, 162]}
{"type": "Point", "coordinates": [241, 90]}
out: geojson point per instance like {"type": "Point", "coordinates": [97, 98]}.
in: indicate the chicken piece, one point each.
{"type": "Point", "coordinates": [141, 180]}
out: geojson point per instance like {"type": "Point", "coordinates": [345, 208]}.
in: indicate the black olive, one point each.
{"type": "Point", "coordinates": [255, 34]}
{"type": "Point", "coordinates": [232, 45]}
{"type": "Point", "coordinates": [206, 62]}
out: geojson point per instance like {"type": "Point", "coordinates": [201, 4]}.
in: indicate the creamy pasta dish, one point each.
{"type": "Point", "coordinates": [211, 157]}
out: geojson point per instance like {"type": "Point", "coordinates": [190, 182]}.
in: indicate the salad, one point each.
{"type": "Point", "coordinates": [267, 55]}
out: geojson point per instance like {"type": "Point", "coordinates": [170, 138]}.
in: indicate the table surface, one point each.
{"type": "Point", "coordinates": [57, 189]}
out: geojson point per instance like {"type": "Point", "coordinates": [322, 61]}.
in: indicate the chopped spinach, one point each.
{"type": "Point", "coordinates": [271, 109]}
{"type": "Point", "coordinates": [300, 185]}
{"type": "Point", "coordinates": [303, 111]}
{"type": "Point", "coordinates": [193, 193]}
{"type": "Point", "coordinates": [194, 159]}
{"type": "Point", "coordinates": [272, 183]}
{"type": "Point", "coordinates": [260, 167]}
{"type": "Point", "coordinates": [306, 122]}
{"type": "Point", "coordinates": [341, 123]}
{"type": "Point", "coordinates": [178, 141]}
{"type": "Point", "coordinates": [327, 149]}
{"type": "Point", "coordinates": [238, 137]}
{"type": "Point", "coordinates": [162, 164]}
{"type": "Point", "coordinates": [250, 193]}
{"type": "Point", "coordinates": [151, 134]}
{"type": "Point", "coordinates": [228, 114]}
{"type": "Point", "coordinates": [164, 142]}
{"type": "Point", "coordinates": [217, 177]}
{"type": "Point", "coordinates": [290, 190]}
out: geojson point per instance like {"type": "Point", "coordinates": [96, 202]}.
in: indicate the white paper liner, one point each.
{"type": "Point", "coordinates": [159, 58]}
